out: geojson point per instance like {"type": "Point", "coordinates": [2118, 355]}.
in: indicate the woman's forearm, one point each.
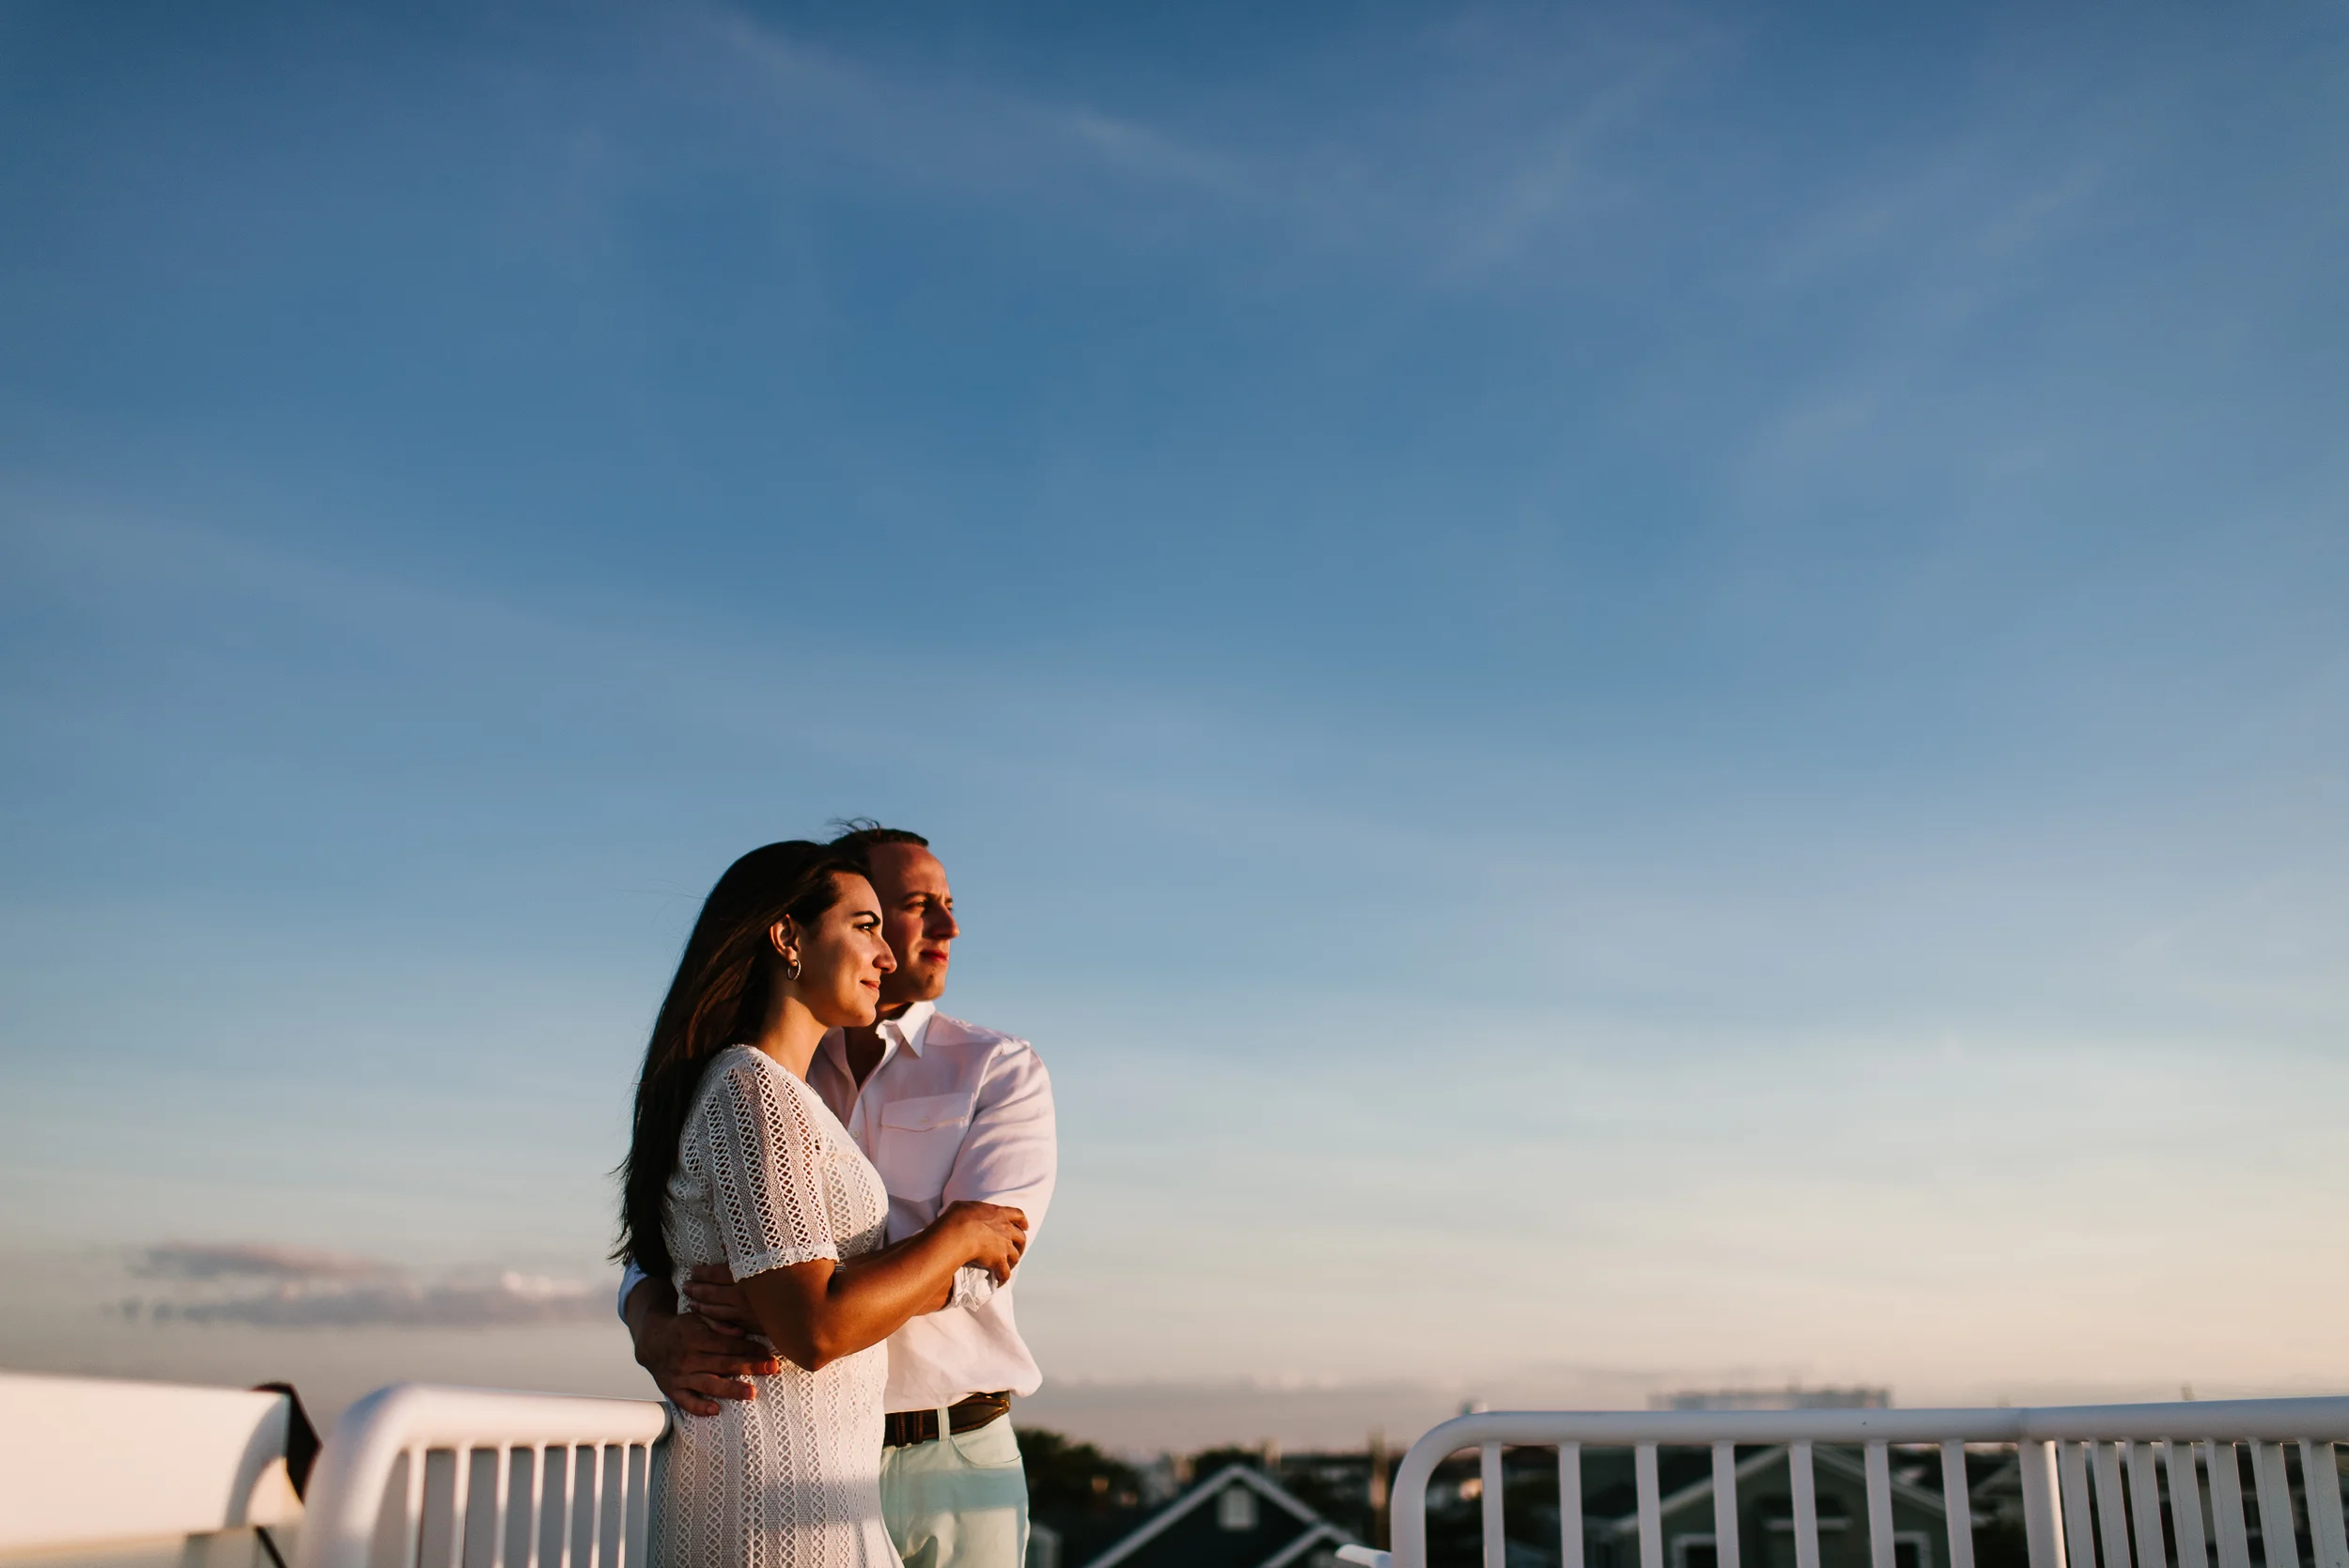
{"type": "Point", "coordinates": [903, 1282]}
{"type": "Point", "coordinates": [816, 1312]}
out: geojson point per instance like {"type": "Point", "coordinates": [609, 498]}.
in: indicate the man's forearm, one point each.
{"type": "Point", "coordinates": [652, 1297]}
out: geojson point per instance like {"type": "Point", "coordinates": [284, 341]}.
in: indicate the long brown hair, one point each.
{"type": "Point", "coordinates": [723, 986]}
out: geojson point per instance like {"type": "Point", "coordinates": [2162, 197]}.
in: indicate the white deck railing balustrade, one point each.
{"type": "Point", "coordinates": [2094, 1478]}
{"type": "Point", "coordinates": [417, 1476]}
{"type": "Point", "coordinates": [423, 1476]}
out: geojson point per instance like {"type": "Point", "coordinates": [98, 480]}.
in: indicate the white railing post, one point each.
{"type": "Point", "coordinates": [2145, 1505]}
{"type": "Point", "coordinates": [2226, 1505]}
{"type": "Point", "coordinates": [2079, 1514]}
{"type": "Point", "coordinates": [1495, 1527]}
{"type": "Point", "coordinates": [2186, 1506]}
{"type": "Point", "coordinates": [1957, 1499]}
{"type": "Point", "coordinates": [2043, 1532]}
{"type": "Point", "coordinates": [1407, 1504]}
{"type": "Point", "coordinates": [1880, 1552]}
{"type": "Point", "coordinates": [502, 1482]}
{"type": "Point", "coordinates": [1806, 1505]}
{"type": "Point", "coordinates": [598, 1532]}
{"type": "Point", "coordinates": [2111, 1514]}
{"type": "Point", "coordinates": [459, 1517]}
{"type": "Point", "coordinates": [412, 1509]}
{"type": "Point", "coordinates": [640, 1506]}
{"type": "Point", "coordinates": [1725, 1505]}
{"type": "Point", "coordinates": [1570, 1505]}
{"type": "Point", "coordinates": [566, 1508]}
{"type": "Point", "coordinates": [2320, 1474]}
{"type": "Point", "coordinates": [1651, 1507]}
{"type": "Point", "coordinates": [531, 1511]}
{"type": "Point", "coordinates": [2277, 1524]}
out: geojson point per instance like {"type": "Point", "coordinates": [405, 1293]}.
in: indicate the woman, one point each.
{"type": "Point", "coordinates": [736, 1162]}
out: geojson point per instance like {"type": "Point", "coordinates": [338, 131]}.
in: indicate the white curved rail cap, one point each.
{"type": "Point", "coordinates": [354, 1504]}
{"type": "Point", "coordinates": [90, 1460]}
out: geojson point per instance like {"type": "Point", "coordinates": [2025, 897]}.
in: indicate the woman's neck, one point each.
{"type": "Point", "coordinates": [791, 1035]}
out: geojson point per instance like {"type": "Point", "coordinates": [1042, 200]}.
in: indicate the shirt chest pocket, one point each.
{"type": "Point", "coordinates": [919, 1139]}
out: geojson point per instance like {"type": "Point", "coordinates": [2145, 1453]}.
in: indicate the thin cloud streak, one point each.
{"type": "Point", "coordinates": [206, 1261]}
{"type": "Point", "coordinates": [313, 1289]}
{"type": "Point", "coordinates": [1375, 190]}
{"type": "Point", "coordinates": [950, 131]}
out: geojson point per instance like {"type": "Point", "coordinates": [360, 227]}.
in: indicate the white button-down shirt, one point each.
{"type": "Point", "coordinates": [954, 1112]}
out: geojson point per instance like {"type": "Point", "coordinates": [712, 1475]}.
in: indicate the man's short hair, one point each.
{"type": "Point", "coordinates": [860, 835]}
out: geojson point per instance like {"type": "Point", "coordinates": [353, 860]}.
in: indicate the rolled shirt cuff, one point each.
{"type": "Point", "coordinates": [973, 1287]}
{"type": "Point", "coordinates": [629, 1282]}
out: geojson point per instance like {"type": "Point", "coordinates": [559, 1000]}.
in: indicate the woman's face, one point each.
{"type": "Point", "coordinates": [842, 960]}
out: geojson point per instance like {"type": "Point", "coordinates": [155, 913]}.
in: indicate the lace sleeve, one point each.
{"type": "Point", "coordinates": [766, 1175]}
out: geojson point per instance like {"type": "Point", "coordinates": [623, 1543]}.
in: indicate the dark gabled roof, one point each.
{"type": "Point", "coordinates": [1306, 1542]}
{"type": "Point", "coordinates": [1276, 1542]}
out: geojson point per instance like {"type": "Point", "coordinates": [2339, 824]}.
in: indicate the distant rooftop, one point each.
{"type": "Point", "coordinates": [1773, 1399]}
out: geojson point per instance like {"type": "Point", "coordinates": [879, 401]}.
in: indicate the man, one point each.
{"type": "Point", "coordinates": [947, 1112]}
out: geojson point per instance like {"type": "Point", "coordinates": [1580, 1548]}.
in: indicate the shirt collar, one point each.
{"type": "Point", "coordinates": [834, 1047]}
{"type": "Point", "coordinates": [910, 1028]}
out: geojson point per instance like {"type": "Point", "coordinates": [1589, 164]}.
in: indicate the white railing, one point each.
{"type": "Point", "coordinates": [88, 1461]}
{"type": "Point", "coordinates": [2093, 1478]}
{"type": "Point", "coordinates": [423, 1476]}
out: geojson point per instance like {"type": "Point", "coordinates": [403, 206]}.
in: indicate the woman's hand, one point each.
{"type": "Point", "coordinates": [996, 1236]}
{"type": "Point", "coordinates": [711, 1289]}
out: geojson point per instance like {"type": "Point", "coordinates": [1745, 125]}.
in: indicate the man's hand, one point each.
{"type": "Point", "coordinates": [699, 1358]}
{"type": "Point", "coordinates": [996, 1236]}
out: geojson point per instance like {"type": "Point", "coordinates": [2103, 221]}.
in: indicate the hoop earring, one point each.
{"type": "Point", "coordinates": [792, 972]}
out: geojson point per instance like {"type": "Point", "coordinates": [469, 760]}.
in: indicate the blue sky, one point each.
{"type": "Point", "coordinates": [1649, 689]}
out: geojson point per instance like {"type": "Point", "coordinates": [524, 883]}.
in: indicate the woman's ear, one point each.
{"type": "Point", "coordinates": [784, 937]}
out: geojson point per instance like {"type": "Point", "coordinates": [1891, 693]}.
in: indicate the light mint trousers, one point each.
{"type": "Point", "coordinates": [959, 1501]}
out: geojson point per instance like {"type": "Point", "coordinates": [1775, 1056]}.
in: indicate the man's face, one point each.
{"type": "Point", "coordinates": [917, 918]}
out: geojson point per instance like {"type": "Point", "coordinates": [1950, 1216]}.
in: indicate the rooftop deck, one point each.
{"type": "Point", "coordinates": [424, 1477]}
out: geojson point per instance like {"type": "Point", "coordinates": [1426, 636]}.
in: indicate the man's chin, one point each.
{"type": "Point", "coordinates": [911, 988]}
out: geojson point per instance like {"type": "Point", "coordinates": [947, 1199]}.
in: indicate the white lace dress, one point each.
{"type": "Point", "coordinates": [767, 1177]}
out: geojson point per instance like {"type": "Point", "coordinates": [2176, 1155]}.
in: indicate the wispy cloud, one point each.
{"type": "Point", "coordinates": [941, 129]}
{"type": "Point", "coordinates": [1501, 144]}
{"type": "Point", "coordinates": [1562, 180]}
{"type": "Point", "coordinates": [205, 1260]}
{"type": "Point", "coordinates": [1926, 250]}
{"type": "Point", "coordinates": [309, 1289]}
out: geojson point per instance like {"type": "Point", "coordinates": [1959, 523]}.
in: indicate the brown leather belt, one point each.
{"type": "Point", "coordinates": [905, 1428]}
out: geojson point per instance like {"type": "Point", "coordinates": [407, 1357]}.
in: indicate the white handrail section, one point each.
{"type": "Point", "coordinates": [2093, 1478]}
{"type": "Point", "coordinates": [418, 1476]}
{"type": "Point", "coordinates": [92, 1461]}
